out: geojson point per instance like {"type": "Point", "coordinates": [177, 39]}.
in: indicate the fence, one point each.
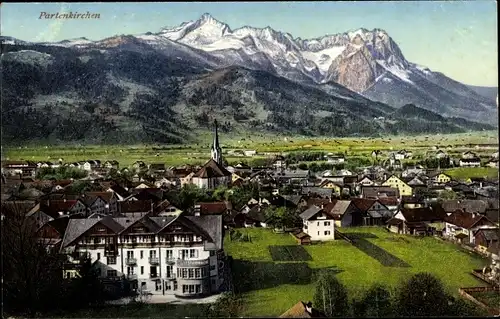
{"type": "Point", "coordinates": [466, 293]}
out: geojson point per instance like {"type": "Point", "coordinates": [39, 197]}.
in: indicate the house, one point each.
{"type": "Point", "coordinates": [469, 155]}
{"type": "Point", "coordinates": [402, 154]}
{"type": "Point", "coordinates": [52, 232]}
{"type": "Point", "coordinates": [412, 171]}
{"type": "Point", "coordinates": [120, 192]}
{"type": "Point", "coordinates": [250, 153]}
{"type": "Point", "coordinates": [279, 163]}
{"type": "Point", "coordinates": [411, 202]}
{"type": "Point", "coordinates": [467, 205]}
{"type": "Point", "coordinates": [163, 182]}
{"type": "Point", "coordinates": [303, 310]}
{"type": "Point", "coordinates": [461, 225]}
{"type": "Point", "coordinates": [254, 217]}
{"type": "Point", "coordinates": [139, 165]}
{"type": "Point", "coordinates": [417, 221]}
{"type": "Point", "coordinates": [470, 162]}
{"type": "Point", "coordinates": [441, 154]}
{"type": "Point", "coordinates": [395, 182]}
{"type": "Point", "coordinates": [64, 207]}
{"type": "Point", "coordinates": [95, 204]}
{"type": "Point", "coordinates": [157, 168]}
{"type": "Point", "coordinates": [211, 208]}
{"type": "Point", "coordinates": [135, 208]}
{"type": "Point", "coordinates": [492, 163]}
{"type": "Point", "coordinates": [366, 181]}
{"type": "Point", "coordinates": [414, 182]}
{"type": "Point", "coordinates": [317, 191]}
{"type": "Point", "coordinates": [111, 164]}
{"type": "Point", "coordinates": [440, 178]}
{"type": "Point", "coordinates": [332, 159]}
{"type": "Point", "coordinates": [153, 194]}
{"type": "Point", "coordinates": [485, 238]}
{"type": "Point", "coordinates": [318, 224]}
{"type": "Point", "coordinates": [22, 168]}
{"type": "Point", "coordinates": [376, 192]}
{"type": "Point", "coordinates": [337, 189]}
{"type": "Point", "coordinates": [294, 201]}
{"type": "Point", "coordinates": [373, 211]}
{"type": "Point", "coordinates": [110, 202]}
{"type": "Point", "coordinates": [181, 256]}
{"type": "Point", "coordinates": [165, 208]}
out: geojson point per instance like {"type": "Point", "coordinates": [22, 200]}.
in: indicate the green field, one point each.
{"type": "Point", "coordinates": [269, 287]}
{"type": "Point", "coordinates": [463, 173]}
{"type": "Point", "coordinates": [199, 152]}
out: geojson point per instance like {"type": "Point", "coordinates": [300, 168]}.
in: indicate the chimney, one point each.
{"type": "Point", "coordinates": [309, 307]}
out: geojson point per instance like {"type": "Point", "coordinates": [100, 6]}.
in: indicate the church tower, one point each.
{"type": "Point", "coordinates": [216, 151]}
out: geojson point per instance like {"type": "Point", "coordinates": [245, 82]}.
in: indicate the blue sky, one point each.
{"type": "Point", "coordinates": [457, 38]}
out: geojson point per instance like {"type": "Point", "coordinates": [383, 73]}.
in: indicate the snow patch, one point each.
{"type": "Point", "coordinates": [397, 71]}
{"type": "Point", "coordinates": [324, 58]}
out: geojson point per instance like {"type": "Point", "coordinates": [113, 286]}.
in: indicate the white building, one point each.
{"type": "Point", "coordinates": [318, 224]}
{"type": "Point", "coordinates": [177, 255]}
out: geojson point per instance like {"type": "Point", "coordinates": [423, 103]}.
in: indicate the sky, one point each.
{"type": "Point", "coordinates": [457, 38]}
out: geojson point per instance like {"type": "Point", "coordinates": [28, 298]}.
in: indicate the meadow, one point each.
{"type": "Point", "coordinates": [482, 143]}
{"type": "Point", "coordinates": [270, 287]}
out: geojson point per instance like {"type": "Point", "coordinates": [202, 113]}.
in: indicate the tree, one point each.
{"type": "Point", "coordinates": [220, 193]}
{"type": "Point", "coordinates": [422, 295]}
{"type": "Point", "coordinates": [228, 305]}
{"type": "Point", "coordinates": [31, 272]}
{"type": "Point", "coordinates": [447, 195]}
{"type": "Point", "coordinates": [376, 302]}
{"type": "Point", "coordinates": [330, 295]}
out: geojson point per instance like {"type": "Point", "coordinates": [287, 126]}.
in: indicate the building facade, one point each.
{"type": "Point", "coordinates": [176, 255]}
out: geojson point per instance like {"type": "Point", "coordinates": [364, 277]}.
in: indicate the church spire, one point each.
{"type": "Point", "coordinates": [216, 151]}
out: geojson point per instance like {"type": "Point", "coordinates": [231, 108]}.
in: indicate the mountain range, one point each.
{"type": "Point", "coordinates": [158, 86]}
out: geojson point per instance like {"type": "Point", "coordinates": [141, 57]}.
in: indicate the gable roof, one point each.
{"type": "Point", "coordinates": [213, 208]}
{"type": "Point", "coordinates": [465, 220]}
{"type": "Point", "coordinates": [469, 205]}
{"type": "Point", "coordinates": [489, 234]}
{"type": "Point", "coordinates": [424, 214]}
{"type": "Point", "coordinates": [294, 199]}
{"type": "Point", "coordinates": [310, 212]}
{"type": "Point", "coordinates": [324, 192]}
{"type": "Point", "coordinates": [363, 203]}
{"type": "Point", "coordinates": [299, 310]}
{"type": "Point", "coordinates": [379, 191]}
{"type": "Point", "coordinates": [212, 169]}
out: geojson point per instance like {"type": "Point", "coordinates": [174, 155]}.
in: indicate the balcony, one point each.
{"type": "Point", "coordinates": [170, 260]}
{"type": "Point", "coordinates": [171, 276]}
{"type": "Point", "coordinates": [132, 276]}
{"type": "Point", "coordinates": [154, 276]}
{"type": "Point", "coordinates": [192, 263]}
{"type": "Point", "coordinates": [154, 260]}
{"type": "Point", "coordinates": [131, 261]}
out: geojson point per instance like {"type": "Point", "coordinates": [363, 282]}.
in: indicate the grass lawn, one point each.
{"type": "Point", "coordinates": [270, 287]}
{"type": "Point", "coordinates": [463, 173]}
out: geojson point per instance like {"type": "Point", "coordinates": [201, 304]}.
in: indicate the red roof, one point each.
{"type": "Point", "coordinates": [363, 203]}
{"type": "Point", "coordinates": [212, 169]}
{"type": "Point", "coordinates": [215, 208]}
{"type": "Point", "coordinates": [465, 220]}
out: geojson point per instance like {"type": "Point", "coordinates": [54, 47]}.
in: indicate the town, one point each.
{"type": "Point", "coordinates": [158, 231]}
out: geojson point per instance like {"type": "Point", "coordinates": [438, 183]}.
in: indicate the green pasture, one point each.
{"type": "Point", "coordinates": [265, 144]}
{"type": "Point", "coordinates": [270, 287]}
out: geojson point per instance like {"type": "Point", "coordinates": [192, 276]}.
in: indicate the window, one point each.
{"type": "Point", "coordinates": [191, 289]}
{"type": "Point", "coordinates": [191, 272]}
{"type": "Point", "coordinates": [327, 223]}
{"type": "Point", "coordinates": [142, 270]}
{"type": "Point", "coordinates": [184, 289]}
{"type": "Point", "coordinates": [98, 256]}
{"type": "Point", "coordinates": [170, 254]}
{"type": "Point", "coordinates": [203, 272]}
{"type": "Point", "coordinates": [317, 224]}
{"type": "Point", "coordinates": [112, 273]}
{"type": "Point", "coordinates": [193, 253]}
{"type": "Point", "coordinates": [212, 253]}
{"type": "Point", "coordinates": [152, 253]}
{"type": "Point", "coordinates": [212, 267]}
{"type": "Point", "coordinates": [184, 273]}
{"type": "Point", "coordinates": [112, 260]}
{"type": "Point", "coordinates": [327, 232]}
{"type": "Point", "coordinates": [130, 254]}
{"type": "Point", "coordinates": [318, 233]}
{"type": "Point", "coordinates": [142, 254]}
{"type": "Point", "coordinates": [197, 273]}
{"type": "Point", "coordinates": [198, 289]}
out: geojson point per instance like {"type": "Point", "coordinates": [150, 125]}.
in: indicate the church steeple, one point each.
{"type": "Point", "coordinates": [216, 151]}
